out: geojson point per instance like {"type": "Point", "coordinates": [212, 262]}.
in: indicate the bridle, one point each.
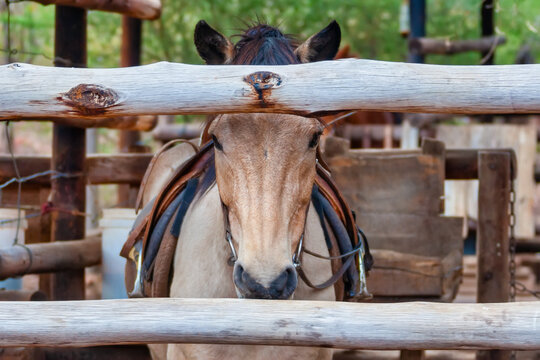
{"type": "Point", "coordinates": [234, 255]}
{"type": "Point", "coordinates": [360, 249]}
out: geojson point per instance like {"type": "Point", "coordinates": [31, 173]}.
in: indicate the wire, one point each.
{"type": "Point", "coordinates": [19, 183]}
{"type": "Point", "coordinates": [55, 175]}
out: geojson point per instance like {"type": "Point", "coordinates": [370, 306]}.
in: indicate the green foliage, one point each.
{"type": "Point", "coordinates": [32, 33]}
{"type": "Point", "coordinates": [371, 27]}
{"type": "Point", "coordinates": [517, 20]}
{"type": "Point", "coordinates": [104, 39]}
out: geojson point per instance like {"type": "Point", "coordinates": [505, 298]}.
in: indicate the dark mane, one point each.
{"type": "Point", "coordinates": [264, 45]}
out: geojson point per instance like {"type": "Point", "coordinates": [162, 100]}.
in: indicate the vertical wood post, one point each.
{"type": "Point", "coordinates": [412, 355]}
{"type": "Point", "coordinates": [417, 9]}
{"type": "Point", "coordinates": [68, 155]}
{"type": "Point", "coordinates": [130, 56]}
{"type": "Point", "coordinates": [487, 19]}
{"type": "Point", "coordinates": [492, 244]}
{"type": "Point", "coordinates": [417, 18]}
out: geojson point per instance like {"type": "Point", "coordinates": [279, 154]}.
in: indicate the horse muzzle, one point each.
{"type": "Point", "coordinates": [282, 287]}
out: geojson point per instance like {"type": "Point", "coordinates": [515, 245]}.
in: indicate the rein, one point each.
{"type": "Point", "coordinates": [359, 249]}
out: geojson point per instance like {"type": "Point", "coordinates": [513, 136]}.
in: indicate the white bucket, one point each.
{"type": "Point", "coordinates": [116, 224]}
{"type": "Point", "coordinates": [8, 230]}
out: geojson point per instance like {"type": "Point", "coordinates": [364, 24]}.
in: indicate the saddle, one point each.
{"type": "Point", "coordinates": [151, 244]}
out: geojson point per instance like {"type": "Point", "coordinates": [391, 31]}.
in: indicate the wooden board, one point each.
{"type": "Point", "coordinates": [99, 168]}
{"type": "Point", "coordinates": [284, 322]}
{"type": "Point", "coordinates": [402, 274]}
{"type": "Point", "coordinates": [492, 241]}
{"type": "Point", "coordinates": [413, 234]}
{"type": "Point", "coordinates": [448, 47]}
{"type": "Point", "coordinates": [142, 9]}
{"type": "Point", "coordinates": [461, 200]}
{"type": "Point", "coordinates": [524, 274]}
{"type": "Point", "coordinates": [383, 183]}
{"type": "Point", "coordinates": [45, 93]}
{"type": "Point", "coordinates": [397, 274]}
{"type": "Point", "coordinates": [50, 257]}
{"type": "Point", "coordinates": [397, 197]}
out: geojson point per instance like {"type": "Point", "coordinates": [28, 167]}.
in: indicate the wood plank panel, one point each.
{"type": "Point", "coordinates": [384, 183]}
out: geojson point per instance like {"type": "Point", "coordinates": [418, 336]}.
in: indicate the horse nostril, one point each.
{"type": "Point", "coordinates": [282, 287]}
{"type": "Point", "coordinates": [285, 284]}
{"type": "Point", "coordinates": [238, 275]}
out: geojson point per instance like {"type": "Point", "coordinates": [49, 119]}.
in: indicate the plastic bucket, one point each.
{"type": "Point", "coordinates": [116, 225]}
{"type": "Point", "coordinates": [8, 230]}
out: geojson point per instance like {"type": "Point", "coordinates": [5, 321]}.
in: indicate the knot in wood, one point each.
{"type": "Point", "coordinates": [90, 99]}
{"type": "Point", "coordinates": [262, 81]}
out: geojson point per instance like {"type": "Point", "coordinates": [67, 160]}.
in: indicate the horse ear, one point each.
{"type": "Point", "coordinates": [214, 48]}
{"type": "Point", "coordinates": [321, 46]}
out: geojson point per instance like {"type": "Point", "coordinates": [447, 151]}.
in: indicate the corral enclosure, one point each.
{"type": "Point", "coordinates": [398, 196]}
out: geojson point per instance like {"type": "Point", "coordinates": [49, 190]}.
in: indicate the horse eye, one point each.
{"type": "Point", "coordinates": [315, 140]}
{"type": "Point", "coordinates": [217, 144]}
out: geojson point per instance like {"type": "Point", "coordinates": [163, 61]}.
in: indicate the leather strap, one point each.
{"type": "Point", "coordinates": [331, 281]}
{"type": "Point", "coordinates": [150, 167]}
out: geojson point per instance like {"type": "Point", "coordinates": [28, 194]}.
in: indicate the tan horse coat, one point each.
{"type": "Point", "coordinates": [265, 170]}
{"type": "Point", "coordinates": [201, 269]}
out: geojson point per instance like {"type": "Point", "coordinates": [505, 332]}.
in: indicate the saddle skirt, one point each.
{"type": "Point", "coordinates": [151, 244]}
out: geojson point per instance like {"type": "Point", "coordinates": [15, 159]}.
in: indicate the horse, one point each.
{"type": "Point", "coordinates": [256, 211]}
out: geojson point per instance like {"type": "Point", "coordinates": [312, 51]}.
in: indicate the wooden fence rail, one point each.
{"type": "Point", "coordinates": [304, 323]}
{"type": "Point", "coordinates": [426, 46]}
{"type": "Point", "coordinates": [142, 9]}
{"type": "Point", "coordinates": [461, 164]}
{"type": "Point", "coordinates": [99, 168]}
{"type": "Point", "coordinates": [45, 93]}
{"type": "Point", "coordinates": [50, 257]}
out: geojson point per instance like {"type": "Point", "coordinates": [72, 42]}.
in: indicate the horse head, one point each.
{"type": "Point", "coordinates": [265, 163]}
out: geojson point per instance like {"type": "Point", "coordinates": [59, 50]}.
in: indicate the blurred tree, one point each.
{"type": "Point", "coordinates": [371, 27]}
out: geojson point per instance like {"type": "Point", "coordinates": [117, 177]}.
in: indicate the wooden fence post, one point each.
{"type": "Point", "coordinates": [417, 9]}
{"type": "Point", "coordinates": [492, 247]}
{"type": "Point", "coordinates": [487, 18]}
{"type": "Point", "coordinates": [128, 139]}
{"type": "Point", "coordinates": [69, 152]}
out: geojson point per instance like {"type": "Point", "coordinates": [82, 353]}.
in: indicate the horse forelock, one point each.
{"type": "Point", "coordinates": [264, 45]}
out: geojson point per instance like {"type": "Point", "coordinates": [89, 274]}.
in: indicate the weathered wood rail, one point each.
{"type": "Point", "coordinates": [460, 164]}
{"type": "Point", "coordinates": [50, 257]}
{"type": "Point", "coordinates": [448, 47]}
{"type": "Point", "coordinates": [303, 323]}
{"type": "Point", "coordinates": [45, 93]}
{"type": "Point", "coordinates": [98, 168]}
{"type": "Point", "coordinates": [141, 9]}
